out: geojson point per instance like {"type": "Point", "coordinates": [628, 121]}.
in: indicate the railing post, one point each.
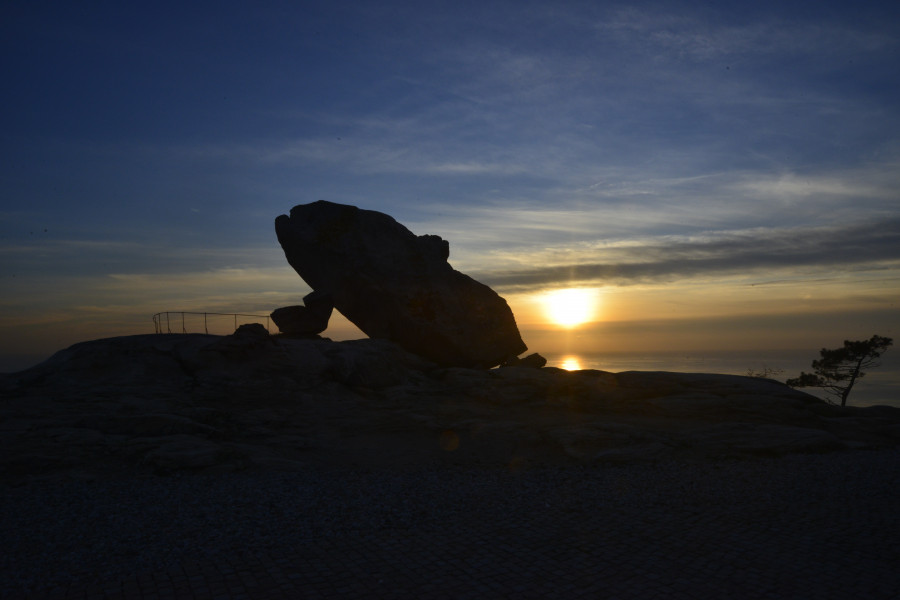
{"type": "Point", "coordinates": [157, 320]}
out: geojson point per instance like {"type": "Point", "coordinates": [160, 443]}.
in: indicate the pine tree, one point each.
{"type": "Point", "coordinates": [837, 370]}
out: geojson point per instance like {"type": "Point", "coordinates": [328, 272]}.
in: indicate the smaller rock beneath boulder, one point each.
{"type": "Point", "coordinates": [310, 319]}
{"type": "Point", "coordinates": [532, 361]}
{"type": "Point", "coordinates": [251, 330]}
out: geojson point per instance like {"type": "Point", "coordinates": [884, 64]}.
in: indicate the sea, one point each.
{"type": "Point", "coordinates": [880, 385]}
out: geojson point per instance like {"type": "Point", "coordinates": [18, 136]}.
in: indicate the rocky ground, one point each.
{"type": "Point", "coordinates": [179, 404]}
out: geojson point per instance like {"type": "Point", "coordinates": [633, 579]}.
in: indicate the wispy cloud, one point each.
{"type": "Point", "coordinates": [871, 246]}
{"type": "Point", "coordinates": [680, 35]}
{"type": "Point", "coordinates": [63, 257]}
{"type": "Point", "coordinates": [874, 183]}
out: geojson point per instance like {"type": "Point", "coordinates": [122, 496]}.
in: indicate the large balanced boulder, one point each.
{"type": "Point", "coordinates": [395, 285]}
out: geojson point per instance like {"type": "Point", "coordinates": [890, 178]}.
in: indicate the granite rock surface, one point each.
{"type": "Point", "coordinates": [309, 319]}
{"type": "Point", "coordinates": [175, 403]}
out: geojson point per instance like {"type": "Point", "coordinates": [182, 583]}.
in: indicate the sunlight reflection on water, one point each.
{"type": "Point", "coordinates": [571, 363]}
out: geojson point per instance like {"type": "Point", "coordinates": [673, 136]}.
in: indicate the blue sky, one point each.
{"type": "Point", "coordinates": [718, 171]}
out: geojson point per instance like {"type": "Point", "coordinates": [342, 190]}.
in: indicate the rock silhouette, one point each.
{"type": "Point", "coordinates": [193, 403]}
{"type": "Point", "coordinates": [309, 319]}
{"type": "Point", "coordinates": [398, 286]}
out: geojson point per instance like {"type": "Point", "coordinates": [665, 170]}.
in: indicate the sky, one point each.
{"type": "Point", "coordinates": [713, 174]}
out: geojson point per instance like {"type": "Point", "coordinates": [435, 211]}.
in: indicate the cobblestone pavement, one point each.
{"type": "Point", "coordinates": [757, 539]}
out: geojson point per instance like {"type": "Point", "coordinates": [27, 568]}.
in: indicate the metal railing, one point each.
{"type": "Point", "coordinates": [163, 321]}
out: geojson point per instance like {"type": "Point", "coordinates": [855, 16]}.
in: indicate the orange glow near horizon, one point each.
{"type": "Point", "coordinates": [570, 363]}
{"type": "Point", "coordinates": [569, 308]}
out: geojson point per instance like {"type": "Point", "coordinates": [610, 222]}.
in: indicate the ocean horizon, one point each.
{"type": "Point", "coordinates": [880, 386]}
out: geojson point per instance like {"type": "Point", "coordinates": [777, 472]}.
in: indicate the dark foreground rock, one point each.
{"type": "Point", "coordinates": [310, 319]}
{"type": "Point", "coordinates": [177, 403]}
{"type": "Point", "coordinates": [398, 286]}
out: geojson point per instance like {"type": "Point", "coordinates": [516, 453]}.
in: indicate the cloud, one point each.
{"type": "Point", "coordinates": [874, 182]}
{"type": "Point", "coordinates": [872, 245]}
{"type": "Point", "coordinates": [700, 36]}
{"type": "Point", "coordinates": [98, 257]}
{"type": "Point", "coordinates": [615, 202]}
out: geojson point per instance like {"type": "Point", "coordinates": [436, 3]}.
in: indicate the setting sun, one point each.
{"type": "Point", "coordinates": [570, 307]}
{"type": "Point", "coordinates": [571, 363]}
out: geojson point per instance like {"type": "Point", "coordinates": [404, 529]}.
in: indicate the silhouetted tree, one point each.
{"type": "Point", "coordinates": [837, 370]}
{"type": "Point", "coordinates": [767, 372]}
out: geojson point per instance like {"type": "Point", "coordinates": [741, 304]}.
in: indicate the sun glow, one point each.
{"type": "Point", "coordinates": [571, 363]}
{"type": "Point", "coordinates": [571, 307]}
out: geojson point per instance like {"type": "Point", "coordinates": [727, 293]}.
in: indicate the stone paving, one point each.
{"type": "Point", "coordinates": [690, 560]}
{"type": "Point", "coordinates": [835, 544]}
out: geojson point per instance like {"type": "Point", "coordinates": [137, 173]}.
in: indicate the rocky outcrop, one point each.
{"type": "Point", "coordinates": [173, 403]}
{"type": "Point", "coordinates": [310, 319]}
{"type": "Point", "coordinates": [534, 361]}
{"type": "Point", "coordinates": [398, 286]}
